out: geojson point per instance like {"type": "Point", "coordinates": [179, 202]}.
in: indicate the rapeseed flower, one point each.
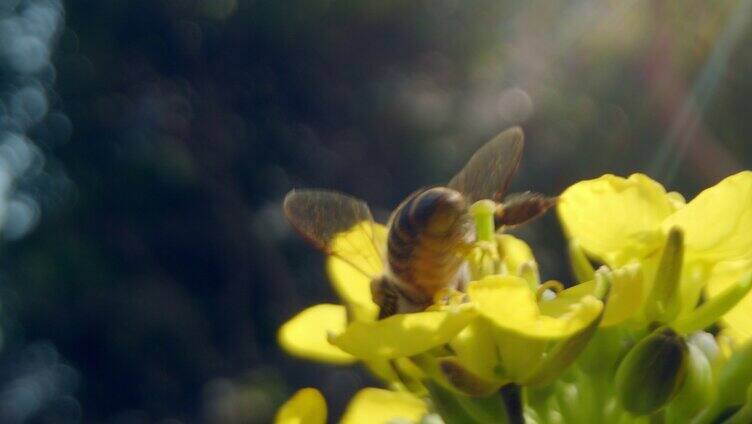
{"type": "Point", "coordinates": [625, 220]}
{"type": "Point", "coordinates": [624, 343]}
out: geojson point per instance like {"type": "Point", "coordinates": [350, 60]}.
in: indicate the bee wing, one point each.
{"type": "Point", "coordinates": [339, 225]}
{"type": "Point", "coordinates": [490, 170]}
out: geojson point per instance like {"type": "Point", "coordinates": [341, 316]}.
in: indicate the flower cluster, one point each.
{"type": "Point", "coordinates": [660, 332]}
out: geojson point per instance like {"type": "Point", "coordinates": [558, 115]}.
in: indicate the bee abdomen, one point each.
{"type": "Point", "coordinates": [426, 231]}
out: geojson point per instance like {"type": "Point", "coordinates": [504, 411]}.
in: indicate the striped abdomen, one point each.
{"type": "Point", "coordinates": [426, 233]}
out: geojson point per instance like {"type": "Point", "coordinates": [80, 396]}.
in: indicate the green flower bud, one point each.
{"type": "Point", "coordinates": [664, 302]}
{"type": "Point", "coordinates": [652, 372]}
{"type": "Point", "coordinates": [697, 390]}
{"type": "Point", "coordinates": [735, 377]}
{"type": "Point", "coordinates": [707, 344]}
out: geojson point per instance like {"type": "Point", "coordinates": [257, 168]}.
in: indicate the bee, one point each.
{"type": "Point", "coordinates": [429, 233]}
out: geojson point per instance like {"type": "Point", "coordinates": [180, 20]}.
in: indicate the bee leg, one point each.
{"type": "Point", "coordinates": [521, 208]}
{"type": "Point", "coordinates": [392, 300]}
{"type": "Point", "coordinates": [386, 296]}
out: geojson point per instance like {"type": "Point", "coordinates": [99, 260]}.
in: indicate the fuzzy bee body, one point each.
{"type": "Point", "coordinates": [427, 233]}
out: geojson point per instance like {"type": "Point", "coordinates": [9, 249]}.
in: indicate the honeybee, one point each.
{"type": "Point", "coordinates": [428, 233]}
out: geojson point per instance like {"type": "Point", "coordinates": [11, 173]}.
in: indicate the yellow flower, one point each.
{"type": "Point", "coordinates": [307, 406]}
{"type": "Point", "coordinates": [368, 406]}
{"type": "Point", "coordinates": [378, 406]}
{"type": "Point", "coordinates": [513, 338]}
{"type": "Point", "coordinates": [618, 220]}
{"type": "Point", "coordinates": [623, 298]}
{"type": "Point", "coordinates": [508, 303]}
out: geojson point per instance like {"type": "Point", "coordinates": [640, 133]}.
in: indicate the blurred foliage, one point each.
{"type": "Point", "coordinates": [164, 274]}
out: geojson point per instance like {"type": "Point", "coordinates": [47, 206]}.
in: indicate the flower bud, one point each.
{"type": "Point", "coordinates": [664, 302]}
{"type": "Point", "coordinates": [707, 344]}
{"type": "Point", "coordinates": [735, 377]}
{"type": "Point", "coordinates": [697, 390]}
{"type": "Point", "coordinates": [732, 390]}
{"type": "Point", "coordinates": [652, 372]}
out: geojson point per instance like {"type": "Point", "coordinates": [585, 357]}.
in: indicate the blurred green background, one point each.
{"type": "Point", "coordinates": [145, 147]}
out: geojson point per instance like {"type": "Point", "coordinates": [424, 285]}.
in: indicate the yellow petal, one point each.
{"type": "Point", "coordinates": [397, 374]}
{"type": "Point", "coordinates": [358, 259]}
{"type": "Point", "coordinates": [476, 350]}
{"type": "Point", "coordinates": [625, 297]}
{"type": "Point", "coordinates": [738, 320]}
{"type": "Point", "coordinates": [404, 334]}
{"type": "Point", "coordinates": [307, 406]}
{"type": "Point", "coordinates": [512, 307]}
{"type": "Point", "coordinates": [614, 218]}
{"type": "Point", "coordinates": [378, 406]}
{"type": "Point", "coordinates": [383, 369]}
{"type": "Point", "coordinates": [306, 334]}
{"type": "Point", "coordinates": [694, 276]}
{"type": "Point", "coordinates": [623, 302]}
{"type": "Point", "coordinates": [515, 252]}
{"type": "Point", "coordinates": [677, 200]}
{"type": "Point", "coordinates": [718, 222]}
{"type": "Point", "coordinates": [519, 354]}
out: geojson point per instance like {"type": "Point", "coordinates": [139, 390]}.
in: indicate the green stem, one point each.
{"type": "Point", "coordinates": [512, 395]}
{"type": "Point", "coordinates": [709, 312]}
{"type": "Point", "coordinates": [483, 214]}
{"type": "Point", "coordinates": [447, 405]}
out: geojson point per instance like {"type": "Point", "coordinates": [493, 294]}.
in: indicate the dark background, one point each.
{"type": "Point", "coordinates": [145, 147]}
